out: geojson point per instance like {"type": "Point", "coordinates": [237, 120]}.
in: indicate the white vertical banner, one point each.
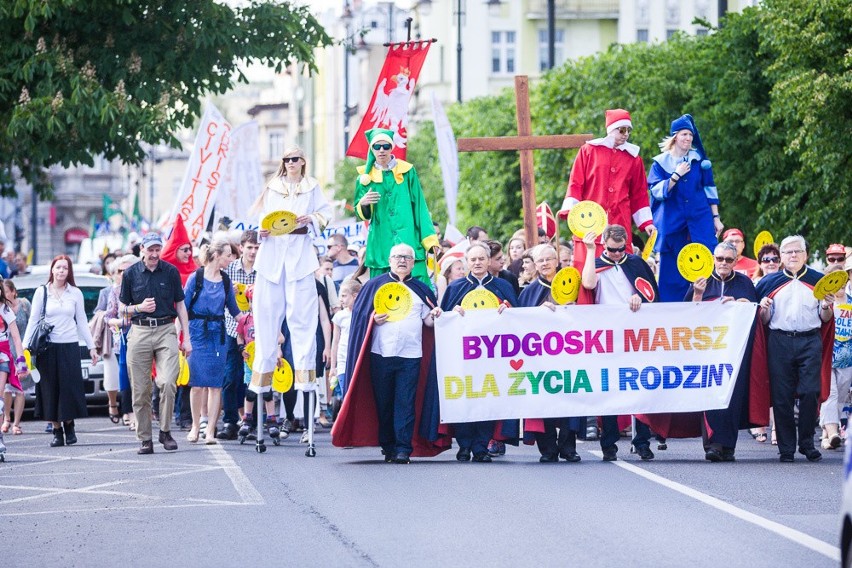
{"type": "Point", "coordinates": [242, 177]}
{"type": "Point", "coordinates": [204, 172]}
{"type": "Point", "coordinates": [448, 156]}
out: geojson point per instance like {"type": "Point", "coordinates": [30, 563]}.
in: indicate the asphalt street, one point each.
{"type": "Point", "coordinates": [99, 504]}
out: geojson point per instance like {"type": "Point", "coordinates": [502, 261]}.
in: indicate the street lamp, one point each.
{"type": "Point", "coordinates": [459, 14]}
{"type": "Point", "coordinates": [346, 18]}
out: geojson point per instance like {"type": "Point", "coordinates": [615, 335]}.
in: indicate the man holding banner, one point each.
{"type": "Point", "coordinates": [617, 277]}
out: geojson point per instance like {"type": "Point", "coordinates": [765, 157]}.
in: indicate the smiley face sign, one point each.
{"type": "Point", "coordinates": [28, 359]}
{"type": "Point", "coordinates": [279, 223]}
{"type": "Point", "coordinates": [240, 296]}
{"type": "Point", "coordinates": [282, 378]}
{"type": "Point", "coordinates": [586, 216]}
{"type": "Point", "coordinates": [393, 299]}
{"type": "Point", "coordinates": [183, 371]}
{"type": "Point", "coordinates": [649, 246]}
{"type": "Point", "coordinates": [480, 299]}
{"type": "Point", "coordinates": [695, 261]}
{"type": "Point", "coordinates": [565, 287]}
{"type": "Point", "coordinates": [249, 348]}
{"type": "Point", "coordinates": [762, 239]}
{"type": "Point", "coordinates": [830, 283]}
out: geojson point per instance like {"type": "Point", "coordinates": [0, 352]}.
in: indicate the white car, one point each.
{"type": "Point", "coordinates": [91, 286]}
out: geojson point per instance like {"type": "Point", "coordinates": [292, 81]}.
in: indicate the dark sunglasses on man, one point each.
{"type": "Point", "coordinates": [726, 259]}
{"type": "Point", "coordinates": [386, 146]}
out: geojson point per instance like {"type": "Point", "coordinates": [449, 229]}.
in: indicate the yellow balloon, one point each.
{"type": "Point", "coordinates": [282, 378]}
{"type": "Point", "coordinates": [250, 350]}
{"type": "Point", "coordinates": [587, 216]}
{"type": "Point", "coordinates": [279, 223]}
{"type": "Point", "coordinates": [480, 299]}
{"type": "Point", "coordinates": [183, 371]}
{"type": "Point", "coordinates": [565, 287]}
{"type": "Point", "coordinates": [649, 246]}
{"type": "Point", "coordinates": [830, 283]}
{"type": "Point", "coordinates": [695, 261]}
{"type": "Point", "coordinates": [242, 301]}
{"type": "Point", "coordinates": [762, 239]}
{"type": "Point", "coordinates": [393, 299]}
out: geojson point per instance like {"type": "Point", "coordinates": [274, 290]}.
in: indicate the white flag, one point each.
{"type": "Point", "coordinates": [203, 173]}
{"type": "Point", "coordinates": [242, 178]}
{"type": "Point", "coordinates": [448, 156]}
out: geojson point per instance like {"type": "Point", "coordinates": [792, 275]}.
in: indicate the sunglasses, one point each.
{"type": "Point", "coordinates": [386, 146]}
{"type": "Point", "coordinates": [617, 249]}
{"type": "Point", "coordinates": [625, 130]}
{"type": "Point", "coordinates": [768, 259]}
{"type": "Point", "coordinates": [836, 259]}
{"type": "Point", "coordinates": [726, 259]}
{"type": "Point", "coordinates": [292, 160]}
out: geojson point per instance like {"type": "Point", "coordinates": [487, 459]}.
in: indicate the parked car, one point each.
{"type": "Point", "coordinates": [91, 286]}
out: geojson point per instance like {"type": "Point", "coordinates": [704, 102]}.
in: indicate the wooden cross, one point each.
{"type": "Point", "coordinates": [525, 143]}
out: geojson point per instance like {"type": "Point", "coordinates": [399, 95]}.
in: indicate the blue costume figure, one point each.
{"type": "Point", "coordinates": [474, 436]}
{"type": "Point", "coordinates": [684, 203]}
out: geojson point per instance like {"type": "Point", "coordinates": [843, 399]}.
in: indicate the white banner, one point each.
{"type": "Point", "coordinates": [448, 155]}
{"type": "Point", "coordinates": [351, 228]}
{"type": "Point", "coordinates": [242, 177]}
{"type": "Point", "coordinates": [589, 360]}
{"type": "Point", "coordinates": [203, 173]}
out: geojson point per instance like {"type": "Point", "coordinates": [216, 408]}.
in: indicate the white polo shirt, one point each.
{"type": "Point", "coordinates": [402, 338]}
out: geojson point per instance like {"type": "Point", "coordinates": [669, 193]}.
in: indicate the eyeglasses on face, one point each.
{"type": "Point", "coordinates": [385, 146]}
{"type": "Point", "coordinates": [625, 130]}
{"type": "Point", "coordinates": [402, 257]}
{"type": "Point", "coordinates": [726, 259]}
{"type": "Point", "coordinates": [292, 160]}
{"type": "Point", "coordinates": [770, 260]}
{"type": "Point", "coordinates": [794, 251]}
{"type": "Point", "coordinates": [548, 259]}
{"type": "Point", "coordinates": [622, 248]}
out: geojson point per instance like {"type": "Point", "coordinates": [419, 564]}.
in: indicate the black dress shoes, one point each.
{"type": "Point", "coordinates": [463, 454]}
{"type": "Point", "coordinates": [549, 458]}
{"type": "Point", "coordinates": [610, 454]}
{"type": "Point", "coordinates": [570, 456]}
{"type": "Point", "coordinates": [402, 457]}
{"type": "Point", "coordinates": [786, 457]}
{"type": "Point", "coordinates": [812, 454]}
{"type": "Point", "coordinates": [645, 453]}
{"type": "Point", "coordinates": [713, 455]}
{"type": "Point", "coordinates": [482, 457]}
{"type": "Point", "coordinates": [147, 448]}
{"type": "Point", "coordinates": [728, 455]}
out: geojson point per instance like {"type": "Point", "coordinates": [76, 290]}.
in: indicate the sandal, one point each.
{"type": "Point", "coordinates": [126, 420]}
{"type": "Point", "coordinates": [16, 431]}
{"type": "Point", "coordinates": [6, 426]}
{"type": "Point", "coordinates": [114, 418]}
{"type": "Point", "coordinates": [760, 437]}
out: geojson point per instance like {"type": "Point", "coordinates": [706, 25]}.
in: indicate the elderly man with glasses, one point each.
{"type": "Point", "coordinates": [391, 389]}
{"type": "Point", "coordinates": [799, 346]}
{"type": "Point", "coordinates": [389, 196]}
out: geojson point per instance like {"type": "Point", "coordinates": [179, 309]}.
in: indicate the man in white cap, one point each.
{"type": "Point", "coordinates": [610, 172]}
{"type": "Point", "coordinates": [389, 196]}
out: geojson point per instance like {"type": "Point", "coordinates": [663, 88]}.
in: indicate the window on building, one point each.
{"type": "Point", "coordinates": [642, 36]}
{"type": "Point", "coordinates": [701, 32]}
{"type": "Point", "coordinates": [502, 52]}
{"type": "Point", "coordinates": [670, 33]}
{"type": "Point", "coordinates": [558, 48]}
{"type": "Point", "coordinates": [276, 145]}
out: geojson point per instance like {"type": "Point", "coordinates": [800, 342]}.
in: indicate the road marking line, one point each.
{"type": "Point", "coordinates": [241, 483]}
{"type": "Point", "coordinates": [112, 509]}
{"type": "Point", "coordinates": [792, 534]}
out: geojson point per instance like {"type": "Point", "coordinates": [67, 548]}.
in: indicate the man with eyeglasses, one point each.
{"type": "Point", "coordinates": [618, 277]}
{"type": "Point", "coordinates": [744, 264]}
{"type": "Point", "coordinates": [720, 438]}
{"type": "Point", "coordinates": [610, 172]}
{"type": "Point", "coordinates": [799, 346]}
{"type": "Point", "coordinates": [389, 196]}
{"type": "Point", "coordinates": [390, 365]}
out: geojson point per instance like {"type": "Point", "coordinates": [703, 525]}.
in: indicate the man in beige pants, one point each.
{"type": "Point", "coordinates": [152, 297]}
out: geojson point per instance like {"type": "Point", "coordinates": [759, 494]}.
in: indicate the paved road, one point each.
{"type": "Point", "coordinates": [99, 504]}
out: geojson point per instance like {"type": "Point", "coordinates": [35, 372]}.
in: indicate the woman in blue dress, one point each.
{"type": "Point", "coordinates": [684, 202]}
{"type": "Point", "coordinates": [206, 306]}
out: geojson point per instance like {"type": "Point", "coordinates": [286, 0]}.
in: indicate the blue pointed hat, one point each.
{"type": "Point", "coordinates": [686, 122]}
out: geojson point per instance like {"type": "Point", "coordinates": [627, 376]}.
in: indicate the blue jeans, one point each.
{"type": "Point", "coordinates": [474, 435]}
{"type": "Point", "coordinates": [394, 390]}
{"type": "Point", "coordinates": [234, 390]}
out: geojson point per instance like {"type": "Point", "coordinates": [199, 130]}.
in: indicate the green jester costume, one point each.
{"type": "Point", "coordinates": [401, 214]}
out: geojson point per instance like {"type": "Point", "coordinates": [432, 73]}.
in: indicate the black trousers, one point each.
{"type": "Point", "coordinates": [794, 370]}
{"type": "Point", "coordinates": [550, 444]}
{"type": "Point", "coordinates": [60, 395]}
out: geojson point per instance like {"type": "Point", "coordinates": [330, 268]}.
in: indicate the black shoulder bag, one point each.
{"type": "Point", "coordinates": [41, 337]}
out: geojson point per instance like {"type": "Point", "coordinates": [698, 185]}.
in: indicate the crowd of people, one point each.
{"type": "Point", "coordinates": [245, 305]}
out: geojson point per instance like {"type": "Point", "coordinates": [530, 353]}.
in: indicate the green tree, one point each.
{"type": "Point", "coordinates": [79, 78]}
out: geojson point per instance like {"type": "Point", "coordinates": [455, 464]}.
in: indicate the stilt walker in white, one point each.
{"type": "Point", "coordinates": [285, 284]}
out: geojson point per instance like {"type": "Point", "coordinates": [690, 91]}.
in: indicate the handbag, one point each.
{"type": "Point", "coordinates": [41, 336]}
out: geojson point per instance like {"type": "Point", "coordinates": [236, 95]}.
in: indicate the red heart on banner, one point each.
{"type": "Point", "coordinates": [516, 363]}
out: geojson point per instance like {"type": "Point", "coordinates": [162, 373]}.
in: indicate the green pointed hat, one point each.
{"type": "Point", "coordinates": [374, 135]}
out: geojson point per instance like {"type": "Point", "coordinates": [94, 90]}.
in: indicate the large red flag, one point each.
{"type": "Point", "coordinates": [389, 105]}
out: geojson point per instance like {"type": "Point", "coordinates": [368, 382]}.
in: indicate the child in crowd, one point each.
{"type": "Point", "coordinates": [245, 335]}
{"type": "Point", "coordinates": [340, 338]}
{"type": "Point", "coordinates": [11, 369]}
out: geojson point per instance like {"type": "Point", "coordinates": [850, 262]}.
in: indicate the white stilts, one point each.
{"type": "Point", "coordinates": [311, 451]}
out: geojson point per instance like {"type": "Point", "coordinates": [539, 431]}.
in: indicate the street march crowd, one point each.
{"type": "Point", "coordinates": [358, 340]}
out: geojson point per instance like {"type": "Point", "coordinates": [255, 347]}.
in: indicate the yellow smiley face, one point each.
{"type": "Point", "coordinates": [250, 350]}
{"type": "Point", "coordinates": [695, 261]}
{"type": "Point", "coordinates": [240, 297]}
{"type": "Point", "coordinates": [585, 217]}
{"type": "Point", "coordinates": [393, 299]}
{"type": "Point", "coordinates": [279, 223]}
{"type": "Point", "coordinates": [830, 283]}
{"type": "Point", "coordinates": [480, 299]}
{"type": "Point", "coordinates": [282, 377]}
{"type": "Point", "coordinates": [565, 287]}
{"type": "Point", "coordinates": [762, 239]}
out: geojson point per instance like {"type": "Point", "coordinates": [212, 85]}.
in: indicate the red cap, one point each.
{"type": "Point", "coordinates": [836, 249]}
{"type": "Point", "coordinates": [730, 232]}
{"type": "Point", "coordinates": [616, 118]}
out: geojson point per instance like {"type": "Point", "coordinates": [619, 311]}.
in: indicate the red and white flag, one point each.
{"type": "Point", "coordinates": [544, 218]}
{"type": "Point", "coordinates": [389, 105]}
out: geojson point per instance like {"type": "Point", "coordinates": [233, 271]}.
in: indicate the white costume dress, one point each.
{"type": "Point", "coordinates": [285, 284]}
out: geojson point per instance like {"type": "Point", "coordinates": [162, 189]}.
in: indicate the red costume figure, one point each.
{"type": "Point", "coordinates": [610, 172]}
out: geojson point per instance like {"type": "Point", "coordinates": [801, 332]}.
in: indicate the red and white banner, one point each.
{"type": "Point", "coordinates": [544, 219]}
{"type": "Point", "coordinates": [203, 173]}
{"type": "Point", "coordinates": [242, 178]}
{"type": "Point", "coordinates": [389, 105]}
